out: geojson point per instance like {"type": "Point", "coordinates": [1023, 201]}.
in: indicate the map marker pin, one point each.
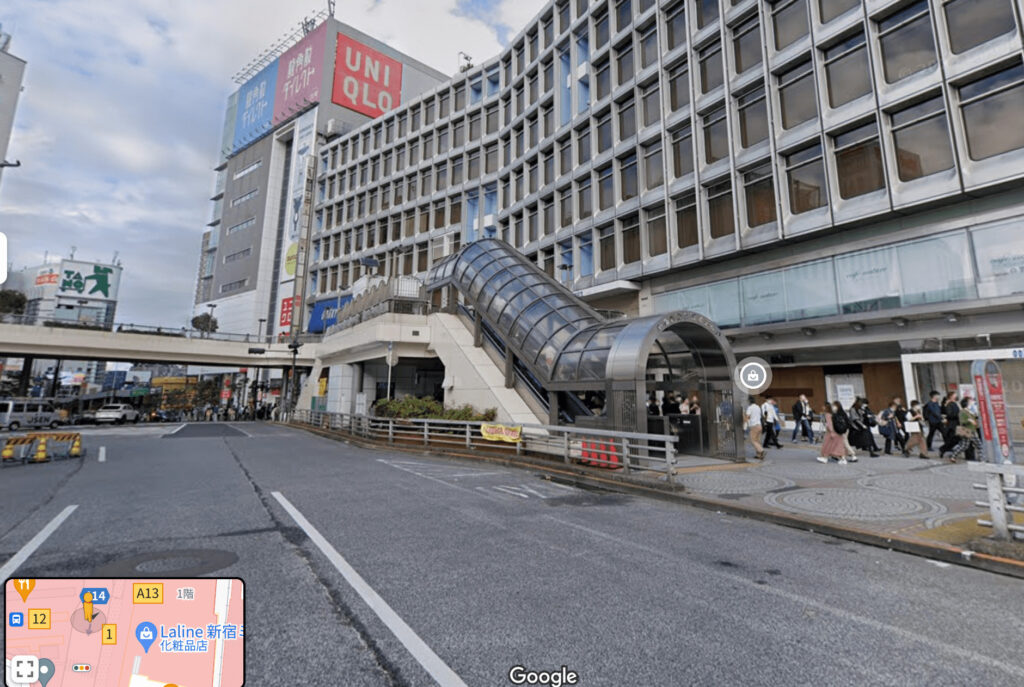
{"type": "Point", "coordinates": [46, 670]}
{"type": "Point", "coordinates": [24, 587]}
{"type": "Point", "coordinates": [146, 634]}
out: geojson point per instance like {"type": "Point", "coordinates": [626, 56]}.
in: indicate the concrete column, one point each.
{"type": "Point", "coordinates": [26, 375]}
{"type": "Point", "coordinates": [54, 385]}
{"type": "Point", "coordinates": [510, 369]}
{"type": "Point", "coordinates": [478, 330]}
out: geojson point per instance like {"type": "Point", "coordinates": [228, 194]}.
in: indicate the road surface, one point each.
{"type": "Point", "coordinates": [370, 567]}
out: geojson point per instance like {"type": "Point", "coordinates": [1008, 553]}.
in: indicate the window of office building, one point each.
{"type": "Point", "coordinates": [583, 145]}
{"type": "Point", "coordinates": [806, 179]}
{"type": "Point", "coordinates": [565, 155]}
{"type": "Point", "coordinates": [549, 166]}
{"type": "Point", "coordinates": [675, 25]}
{"type": "Point", "coordinates": [631, 239]}
{"type": "Point", "coordinates": [747, 45]}
{"type": "Point", "coordinates": [424, 219]}
{"type": "Point", "coordinates": [679, 87]}
{"type": "Point", "coordinates": [651, 100]}
{"type": "Point", "coordinates": [623, 14]}
{"type": "Point", "coordinates": [654, 174]}
{"type": "Point", "coordinates": [624, 63]}
{"type": "Point", "coordinates": [789, 18]}
{"type": "Point", "coordinates": [534, 177]}
{"type": "Point", "coordinates": [439, 218]}
{"type": "Point", "coordinates": [796, 95]}
{"type": "Point", "coordinates": [472, 167]}
{"type": "Point", "coordinates": [687, 231]}
{"type": "Point", "coordinates": [649, 47]}
{"type": "Point", "coordinates": [759, 191]}
{"type": "Point", "coordinates": [859, 161]}
{"type": "Point", "coordinates": [752, 109]}
{"type": "Point", "coordinates": [627, 119]}
{"type": "Point", "coordinates": [602, 79]}
{"type": "Point", "coordinates": [585, 200]}
{"type": "Point", "coordinates": [657, 231]}
{"type": "Point", "coordinates": [847, 70]}
{"type": "Point", "coordinates": [830, 9]}
{"type": "Point", "coordinates": [682, 151]}
{"type": "Point", "coordinates": [628, 176]}
{"type": "Point", "coordinates": [605, 188]}
{"type": "Point", "coordinates": [474, 127]}
{"type": "Point", "coordinates": [549, 75]}
{"type": "Point", "coordinates": [604, 132]}
{"type": "Point", "coordinates": [716, 136]}
{"type": "Point", "coordinates": [549, 217]}
{"type": "Point", "coordinates": [442, 105]}
{"type": "Point", "coordinates": [906, 42]}
{"type": "Point", "coordinates": [707, 12]}
{"type": "Point", "coordinates": [548, 117]}
{"type": "Point", "coordinates": [606, 244]}
{"type": "Point", "coordinates": [973, 22]}
{"type": "Point", "coordinates": [920, 134]}
{"type": "Point", "coordinates": [720, 212]}
{"type": "Point", "coordinates": [457, 168]}
{"type": "Point", "coordinates": [991, 109]}
{"type": "Point", "coordinates": [585, 244]}
{"type": "Point", "coordinates": [711, 73]}
{"type": "Point", "coordinates": [601, 31]}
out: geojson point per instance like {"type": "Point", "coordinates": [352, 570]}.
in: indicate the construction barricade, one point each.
{"type": "Point", "coordinates": [57, 445]}
{"type": "Point", "coordinates": [16, 449]}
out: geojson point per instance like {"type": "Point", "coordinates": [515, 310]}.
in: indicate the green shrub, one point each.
{"type": "Point", "coordinates": [428, 408]}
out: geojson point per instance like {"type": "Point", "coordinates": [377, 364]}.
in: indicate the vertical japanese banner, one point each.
{"type": "Point", "coordinates": [988, 380]}
{"type": "Point", "coordinates": [299, 75]}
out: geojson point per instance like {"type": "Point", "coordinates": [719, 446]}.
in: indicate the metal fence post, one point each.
{"type": "Point", "coordinates": [469, 441]}
{"type": "Point", "coordinates": [670, 462]}
{"type": "Point", "coordinates": [426, 433]}
{"type": "Point", "coordinates": [997, 504]}
{"type": "Point", "coordinates": [391, 430]}
{"type": "Point", "coordinates": [566, 447]}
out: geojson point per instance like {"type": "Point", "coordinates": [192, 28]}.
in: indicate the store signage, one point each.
{"type": "Point", "coordinates": [988, 382]}
{"type": "Point", "coordinates": [365, 80]}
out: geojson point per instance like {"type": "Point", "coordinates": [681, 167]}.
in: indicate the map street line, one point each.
{"type": "Point", "coordinates": [17, 559]}
{"type": "Point", "coordinates": [423, 654]}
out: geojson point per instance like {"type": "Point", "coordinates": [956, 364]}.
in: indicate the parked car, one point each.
{"type": "Point", "coordinates": [117, 413]}
{"type": "Point", "coordinates": [17, 414]}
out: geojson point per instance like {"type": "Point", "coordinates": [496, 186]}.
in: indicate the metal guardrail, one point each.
{"type": "Point", "coordinates": [1005, 497]}
{"type": "Point", "coordinates": [403, 295]}
{"type": "Point", "coordinates": [625, 451]}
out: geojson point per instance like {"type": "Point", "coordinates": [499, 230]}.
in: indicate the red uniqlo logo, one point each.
{"type": "Point", "coordinates": [365, 80]}
{"type": "Point", "coordinates": [286, 312]}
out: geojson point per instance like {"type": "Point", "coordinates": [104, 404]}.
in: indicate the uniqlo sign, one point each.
{"type": "Point", "coordinates": [286, 312]}
{"type": "Point", "coordinates": [365, 80]}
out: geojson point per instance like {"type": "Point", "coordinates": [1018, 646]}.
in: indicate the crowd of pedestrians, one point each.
{"type": "Point", "coordinates": [901, 429]}
{"type": "Point", "coordinates": [230, 413]}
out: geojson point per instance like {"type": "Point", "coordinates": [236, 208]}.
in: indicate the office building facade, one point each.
{"type": "Point", "coordinates": [253, 253]}
{"type": "Point", "coordinates": [833, 182]}
{"type": "Point", "coordinates": [12, 71]}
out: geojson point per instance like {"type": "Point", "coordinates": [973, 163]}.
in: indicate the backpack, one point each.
{"type": "Point", "coordinates": [840, 425]}
{"type": "Point", "coordinates": [869, 418]}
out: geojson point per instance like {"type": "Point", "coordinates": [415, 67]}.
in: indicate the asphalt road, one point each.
{"type": "Point", "coordinates": [486, 568]}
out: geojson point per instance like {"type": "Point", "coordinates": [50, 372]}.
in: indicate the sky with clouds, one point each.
{"type": "Point", "coordinates": [119, 121]}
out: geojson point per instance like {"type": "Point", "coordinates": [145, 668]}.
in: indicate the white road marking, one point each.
{"type": "Point", "coordinates": [423, 654]}
{"type": "Point", "coordinates": [940, 564]}
{"type": "Point", "coordinates": [28, 549]}
{"type": "Point", "coordinates": [177, 429]}
{"type": "Point", "coordinates": [242, 431]}
{"type": "Point", "coordinates": [102, 457]}
{"type": "Point", "coordinates": [508, 490]}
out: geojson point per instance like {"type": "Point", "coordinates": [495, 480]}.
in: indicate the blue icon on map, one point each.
{"type": "Point", "coordinates": [16, 620]}
{"type": "Point", "coordinates": [146, 634]}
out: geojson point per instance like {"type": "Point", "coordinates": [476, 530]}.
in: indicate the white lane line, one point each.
{"type": "Point", "coordinates": [102, 457]}
{"type": "Point", "coordinates": [177, 429]}
{"type": "Point", "coordinates": [28, 549]}
{"type": "Point", "coordinates": [243, 431]}
{"type": "Point", "coordinates": [940, 564]}
{"type": "Point", "coordinates": [423, 654]}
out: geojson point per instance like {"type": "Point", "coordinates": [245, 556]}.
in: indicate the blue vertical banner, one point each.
{"type": "Point", "coordinates": [255, 106]}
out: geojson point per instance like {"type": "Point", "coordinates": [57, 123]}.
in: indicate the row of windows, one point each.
{"type": "Point", "coordinates": [248, 169]}
{"type": "Point", "coordinates": [233, 286]}
{"type": "Point", "coordinates": [237, 255]}
{"type": "Point", "coordinates": [244, 197]}
{"type": "Point", "coordinates": [242, 225]}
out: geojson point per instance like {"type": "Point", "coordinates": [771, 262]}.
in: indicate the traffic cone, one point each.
{"type": "Point", "coordinates": [76, 447]}
{"type": "Point", "coordinates": [40, 456]}
{"type": "Point", "coordinates": [8, 452]}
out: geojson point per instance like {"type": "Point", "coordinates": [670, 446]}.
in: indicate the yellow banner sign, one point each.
{"type": "Point", "coordinates": [513, 435]}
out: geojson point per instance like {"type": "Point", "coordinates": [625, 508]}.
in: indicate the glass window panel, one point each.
{"type": "Point", "coordinates": [848, 72]}
{"type": "Point", "coordinates": [830, 9]}
{"type": "Point", "coordinates": [999, 255]}
{"type": "Point", "coordinates": [711, 72]}
{"type": "Point", "coordinates": [992, 118]}
{"type": "Point", "coordinates": [753, 116]}
{"type": "Point", "coordinates": [657, 236]}
{"type": "Point", "coordinates": [791, 22]}
{"type": "Point", "coordinates": [806, 179]}
{"type": "Point", "coordinates": [810, 290]}
{"type": "Point", "coordinates": [868, 280]}
{"type": "Point", "coordinates": [859, 163]}
{"type": "Point", "coordinates": [682, 152]}
{"type": "Point", "coordinates": [724, 303]}
{"type": "Point", "coordinates": [631, 240]}
{"type": "Point", "coordinates": [936, 270]}
{"type": "Point", "coordinates": [716, 136]}
{"type": "Point", "coordinates": [687, 231]}
{"type": "Point", "coordinates": [707, 12]}
{"type": "Point", "coordinates": [593, 365]}
{"type": "Point", "coordinates": [760, 196]}
{"type": "Point", "coordinates": [922, 146]}
{"type": "Point", "coordinates": [747, 46]}
{"type": "Point", "coordinates": [679, 87]}
{"type": "Point", "coordinates": [796, 96]}
{"type": "Point", "coordinates": [720, 210]}
{"type": "Point", "coordinates": [907, 43]}
{"type": "Point", "coordinates": [566, 371]}
{"type": "Point", "coordinates": [676, 25]}
{"type": "Point", "coordinates": [694, 299]}
{"type": "Point", "coordinates": [763, 298]}
{"type": "Point", "coordinates": [973, 22]}
{"type": "Point", "coordinates": [654, 174]}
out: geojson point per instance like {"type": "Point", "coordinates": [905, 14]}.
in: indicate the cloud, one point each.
{"type": "Point", "coordinates": [119, 122]}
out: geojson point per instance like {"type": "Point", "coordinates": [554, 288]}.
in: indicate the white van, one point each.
{"type": "Point", "coordinates": [17, 414]}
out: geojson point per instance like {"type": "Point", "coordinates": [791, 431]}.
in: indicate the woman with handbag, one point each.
{"type": "Point", "coordinates": [860, 431]}
{"type": "Point", "coordinates": [914, 426]}
{"type": "Point", "coordinates": [967, 434]}
{"type": "Point", "coordinates": [833, 446]}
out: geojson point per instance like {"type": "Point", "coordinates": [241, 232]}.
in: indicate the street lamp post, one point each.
{"type": "Point", "coordinates": [259, 370]}
{"type": "Point", "coordinates": [292, 400]}
{"type": "Point", "coordinates": [209, 324]}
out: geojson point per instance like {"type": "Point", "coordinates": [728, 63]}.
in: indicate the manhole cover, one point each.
{"type": "Point", "coordinates": [731, 482]}
{"type": "Point", "coordinates": [853, 504]}
{"type": "Point", "coordinates": [173, 563]}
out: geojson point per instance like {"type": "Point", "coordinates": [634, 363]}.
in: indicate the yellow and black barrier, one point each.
{"type": "Point", "coordinates": [70, 445]}
{"type": "Point", "coordinates": [16, 448]}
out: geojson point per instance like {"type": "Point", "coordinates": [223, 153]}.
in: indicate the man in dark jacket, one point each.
{"type": "Point", "coordinates": [933, 416]}
{"type": "Point", "coordinates": [951, 413]}
{"type": "Point", "coordinates": [803, 416]}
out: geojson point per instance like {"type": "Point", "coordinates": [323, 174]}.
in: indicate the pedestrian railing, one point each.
{"type": "Point", "coordinates": [626, 452]}
{"type": "Point", "coordinates": [1003, 484]}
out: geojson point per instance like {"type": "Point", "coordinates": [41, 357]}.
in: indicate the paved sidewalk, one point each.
{"type": "Point", "coordinates": [929, 500]}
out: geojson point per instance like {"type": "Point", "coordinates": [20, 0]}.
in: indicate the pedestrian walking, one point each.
{"type": "Point", "coordinates": [652, 404]}
{"type": "Point", "coordinates": [803, 416]}
{"type": "Point", "coordinates": [933, 416]}
{"type": "Point", "coordinates": [890, 427]}
{"type": "Point", "coordinates": [860, 429]}
{"type": "Point", "coordinates": [833, 446]}
{"type": "Point", "coordinates": [670, 404]}
{"type": "Point", "coordinates": [753, 417]}
{"type": "Point", "coordinates": [967, 435]}
{"type": "Point", "coordinates": [770, 421]}
{"type": "Point", "coordinates": [914, 427]}
{"type": "Point", "coordinates": [951, 420]}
